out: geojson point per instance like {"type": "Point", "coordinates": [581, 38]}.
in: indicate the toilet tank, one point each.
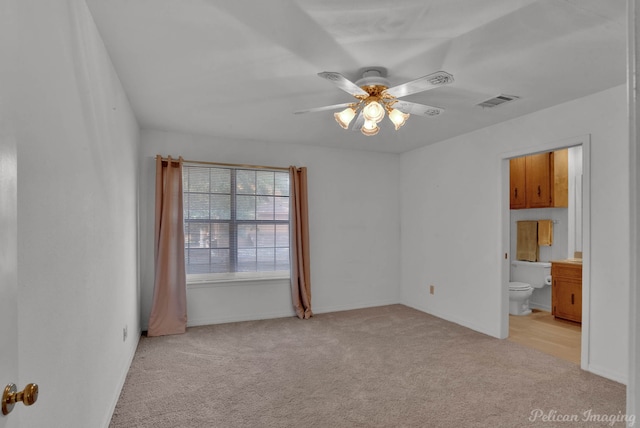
{"type": "Point", "coordinates": [533, 273]}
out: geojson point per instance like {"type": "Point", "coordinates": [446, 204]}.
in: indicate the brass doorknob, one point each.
{"type": "Point", "coordinates": [11, 396]}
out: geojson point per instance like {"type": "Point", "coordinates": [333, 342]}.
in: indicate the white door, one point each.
{"type": "Point", "coordinates": [8, 268]}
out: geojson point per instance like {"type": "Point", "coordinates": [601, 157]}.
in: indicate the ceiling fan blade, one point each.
{"type": "Point", "coordinates": [325, 108]}
{"type": "Point", "coordinates": [357, 124]}
{"type": "Point", "coordinates": [417, 109]}
{"type": "Point", "coordinates": [343, 83]}
{"type": "Point", "coordinates": [424, 83]}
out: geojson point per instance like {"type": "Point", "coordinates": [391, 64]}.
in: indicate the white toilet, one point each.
{"type": "Point", "coordinates": [525, 277]}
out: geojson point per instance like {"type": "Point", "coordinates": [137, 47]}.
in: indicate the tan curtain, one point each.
{"type": "Point", "coordinates": [169, 308]}
{"type": "Point", "coordinates": [300, 273]}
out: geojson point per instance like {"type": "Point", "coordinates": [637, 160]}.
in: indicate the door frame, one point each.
{"type": "Point", "coordinates": [9, 362]}
{"type": "Point", "coordinates": [9, 292]}
{"type": "Point", "coordinates": [585, 142]}
{"type": "Point", "coordinates": [633, 67]}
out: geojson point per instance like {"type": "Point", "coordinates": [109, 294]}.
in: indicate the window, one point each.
{"type": "Point", "coordinates": [236, 222]}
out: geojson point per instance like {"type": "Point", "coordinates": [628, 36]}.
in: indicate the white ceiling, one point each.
{"type": "Point", "coordinates": [238, 69]}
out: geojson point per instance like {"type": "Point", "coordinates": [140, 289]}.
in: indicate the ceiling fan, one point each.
{"type": "Point", "coordinates": [375, 98]}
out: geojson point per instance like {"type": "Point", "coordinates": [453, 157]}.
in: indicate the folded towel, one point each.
{"type": "Point", "coordinates": [545, 232]}
{"type": "Point", "coordinates": [527, 241]}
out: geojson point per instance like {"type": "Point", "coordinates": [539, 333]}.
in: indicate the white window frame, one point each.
{"type": "Point", "coordinates": [233, 277]}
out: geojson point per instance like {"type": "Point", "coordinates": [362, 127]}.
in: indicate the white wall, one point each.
{"type": "Point", "coordinates": [451, 221]}
{"type": "Point", "coordinates": [354, 228]}
{"type": "Point", "coordinates": [77, 217]}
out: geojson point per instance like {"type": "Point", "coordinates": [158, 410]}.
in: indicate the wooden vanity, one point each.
{"type": "Point", "coordinates": [566, 292]}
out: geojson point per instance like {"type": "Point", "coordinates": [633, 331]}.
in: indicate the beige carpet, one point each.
{"type": "Point", "coordinates": [390, 366]}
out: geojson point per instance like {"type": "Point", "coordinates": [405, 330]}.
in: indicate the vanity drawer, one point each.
{"type": "Point", "coordinates": [566, 270]}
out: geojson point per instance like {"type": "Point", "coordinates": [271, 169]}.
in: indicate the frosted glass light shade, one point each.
{"type": "Point", "coordinates": [373, 111]}
{"type": "Point", "coordinates": [369, 128]}
{"type": "Point", "coordinates": [345, 117]}
{"type": "Point", "coordinates": [398, 118]}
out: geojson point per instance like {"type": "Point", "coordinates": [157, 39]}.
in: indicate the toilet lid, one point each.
{"type": "Point", "coordinates": [518, 286]}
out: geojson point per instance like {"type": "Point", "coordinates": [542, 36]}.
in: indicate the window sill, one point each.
{"type": "Point", "coordinates": [237, 279]}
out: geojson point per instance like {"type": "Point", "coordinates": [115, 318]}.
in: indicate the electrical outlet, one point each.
{"type": "Point", "coordinates": [432, 289]}
{"type": "Point", "coordinates": [125, 332]}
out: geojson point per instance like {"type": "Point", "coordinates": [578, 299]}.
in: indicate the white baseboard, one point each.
{"type": "Point", "coordinates": [606, 373]}
{"type": "Point", "coordinates": [239, 318]}
{"type": "Point", "coordinates": [352, 306]}
{"type": "Point", "coordinates": [123, 377]}
{"type": "Point", "coordinates": [284, 314]}
{"type": "Point", "coordinates": [465, 323]}
{"type": "Point", "coordinates": [534, 305]}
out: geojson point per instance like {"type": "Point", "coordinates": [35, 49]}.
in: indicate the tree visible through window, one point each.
{"type": "Point", "coordinates": [235, 220]}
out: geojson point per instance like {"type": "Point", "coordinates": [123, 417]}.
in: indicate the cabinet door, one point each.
{"type": "Point", "coordinates": [567, 298]}
{"type": "Point", "coordinates": [538, 181]}
{"type": "Point", "coordinates": [560, 193]}
{"type": "Point", "coordinates": [517, 183]}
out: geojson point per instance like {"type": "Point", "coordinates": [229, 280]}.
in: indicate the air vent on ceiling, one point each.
{"type": "Point", "coordinates": [496, 101]}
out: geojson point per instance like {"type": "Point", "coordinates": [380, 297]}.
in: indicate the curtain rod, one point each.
{"type": "Point", "coordinates": [233, 165]}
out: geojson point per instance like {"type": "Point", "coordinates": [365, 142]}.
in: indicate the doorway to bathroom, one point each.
{"type": "Point", "coordinates": [536, 326]}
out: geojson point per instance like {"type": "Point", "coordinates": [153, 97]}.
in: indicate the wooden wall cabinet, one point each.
{"type": "Point", "coordinates": [540, 180]}
{"type": "Point", "coordinates": [566, 293]}
{"type": "Point", "coordinates": [517, 181]}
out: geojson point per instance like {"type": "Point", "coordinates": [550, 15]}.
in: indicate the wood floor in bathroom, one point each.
{"type": "Point", "coordinates": [542, 331]}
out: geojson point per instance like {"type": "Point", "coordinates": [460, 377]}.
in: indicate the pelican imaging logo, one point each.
{"type": "Point", "coordinates": [539, 415]}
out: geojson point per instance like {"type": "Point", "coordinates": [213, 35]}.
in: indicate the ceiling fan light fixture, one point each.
{"type": "Point", "coordinates": [376, 99]}
{"type": "Point", "coordinates": [345, 117]}
{"type": "Point", "coordinates": [398, 118]}
{"type": "Point", "coordinates": [369, 128]}
{"type": "Point", "coordinates": [373, 111]}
